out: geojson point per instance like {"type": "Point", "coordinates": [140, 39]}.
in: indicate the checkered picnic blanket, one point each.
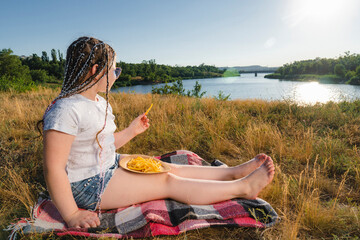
{"type": "Point", "coordinates": [153, 218]}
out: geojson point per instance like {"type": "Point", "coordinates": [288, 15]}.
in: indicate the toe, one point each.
{"type": "Point", "coordinates": [261, 157]}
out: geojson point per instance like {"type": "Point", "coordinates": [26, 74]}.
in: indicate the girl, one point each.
{"type": "Point", "coordinates": [81, 165]}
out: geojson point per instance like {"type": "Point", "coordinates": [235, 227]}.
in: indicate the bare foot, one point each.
{"type": "Point", "coordinates": [257, 180]}
{"type": "Point", "coordinates": [245, 169]}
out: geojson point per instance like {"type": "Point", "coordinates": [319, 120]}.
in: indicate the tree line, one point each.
{"type": "Point", "coordinates": [150, 72]}
{"type": "Point", "coordinates": [21, 73]}
{"type": "Point", "coordinates": [344, 69]}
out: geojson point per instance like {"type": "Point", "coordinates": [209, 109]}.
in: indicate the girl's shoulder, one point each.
{"type": "Point", "coordinates": [72, 105]}
{"type": "Point", "coordinates": [76, 105]}
{"type": "Point", "coordinates": [65, 115]}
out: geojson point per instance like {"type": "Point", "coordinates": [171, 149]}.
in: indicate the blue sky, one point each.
{"type": "Point", "coordinates": [188, 32]}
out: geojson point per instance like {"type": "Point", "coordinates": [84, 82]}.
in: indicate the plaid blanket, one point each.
{"type": "Point", "coordinates": [153, 218]}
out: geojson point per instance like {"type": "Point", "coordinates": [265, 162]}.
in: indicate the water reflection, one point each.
{"type": "Point", "coordinates": [247, 86]}
{"type": "Point", "coordinates": [313, 92]}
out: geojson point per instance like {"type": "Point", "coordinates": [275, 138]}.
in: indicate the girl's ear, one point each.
{"type": "Point", "coordinates": [93, 69]}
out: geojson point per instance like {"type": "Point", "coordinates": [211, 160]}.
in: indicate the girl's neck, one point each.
{"type": "Point", "coordinates": [90, 94]}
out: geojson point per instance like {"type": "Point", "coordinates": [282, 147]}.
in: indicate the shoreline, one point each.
{"type": "Point", "coordinates": [326, 78]}
{"type": "Point", "coordinates": [136, 82]}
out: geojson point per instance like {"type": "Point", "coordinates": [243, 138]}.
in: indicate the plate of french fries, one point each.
{"type": "Point", "coordinates": [144, 164]}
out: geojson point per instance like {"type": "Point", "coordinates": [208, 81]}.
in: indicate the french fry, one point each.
{"type": "Point", "coordinates": [144, 165]}
{"type": "Point", "coordinates": [148, 109]}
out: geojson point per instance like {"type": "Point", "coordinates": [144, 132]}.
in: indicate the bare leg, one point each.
{"type": "Point", "coordinates": [217, 173]}
{"type": "Point", "coordinates": [126, 188]}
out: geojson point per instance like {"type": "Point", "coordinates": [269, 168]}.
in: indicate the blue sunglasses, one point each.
{"type": "Point", "coordinates": [117, 72]}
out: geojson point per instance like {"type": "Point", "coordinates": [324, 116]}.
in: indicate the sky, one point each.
{"type": "Point", "coordinates": [188, 32]}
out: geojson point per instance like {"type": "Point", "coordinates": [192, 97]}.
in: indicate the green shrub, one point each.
{"type": "Point", "coordinates": [178, 89]}
{"type": "Point", "coordinates": [358, 71]}
{"type": "Point", "coordinates": [339, 70]}
{"type": "Point", "coordinates": [355, 80]}
{"type": "Point", "coordinates": [11, 66]}
{"type": "Point", "coordinates": [39, 76]}
{"type": "Point", "coordinates": [349, 75]}
{"type": "Point", "coordinates": [18, 84]}
{"type": "Point", "coordinates": [221, 96]}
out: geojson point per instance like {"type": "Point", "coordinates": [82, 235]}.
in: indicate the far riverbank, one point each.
{"type": "Point", "coordinates": [328, 78]}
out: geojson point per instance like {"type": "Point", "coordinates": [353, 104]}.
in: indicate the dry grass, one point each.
{"type": "Point", "coordinates": [316, 189]}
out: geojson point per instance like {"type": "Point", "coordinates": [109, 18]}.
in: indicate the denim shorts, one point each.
{"type": "Point", "coordinates": [86, 192]}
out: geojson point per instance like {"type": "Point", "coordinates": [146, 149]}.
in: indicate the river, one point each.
{"type": "Point", "coordinates": [247, 86]}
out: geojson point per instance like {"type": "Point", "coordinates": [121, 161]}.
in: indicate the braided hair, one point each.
{"type": "Point", "coordinates": [81, 56]}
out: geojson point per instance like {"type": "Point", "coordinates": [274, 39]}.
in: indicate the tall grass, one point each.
{"type": "Point", "coordinates": [316, 189]}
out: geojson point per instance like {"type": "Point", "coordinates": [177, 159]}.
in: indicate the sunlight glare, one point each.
{"type": "Point", "coordinates": [313, 92]}
{"type": "Point", "coordinates": [319, 11]}
{"type": "Point", "coordinates": [322, 10]}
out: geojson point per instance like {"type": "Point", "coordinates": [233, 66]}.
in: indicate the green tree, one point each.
{"type": "Point", "coordinates": [44, 56]}
{"type": "Point", "coordinates": [340, 70]}
{"type": "Point", "coordinates": [53, 56]}
{"type": "Point", "coordinates": [60, 55]}
{"type": "Point", "coordinates": [10, 65]}
{"type": "Point", "coordinates": [39, 76]}
{"type": "Point", "coordinates": [349, 75]}
{"type": "Point", "coordinates": [357, 72]}
{"type": "Point", "coordinates": [13, 75]}
{"type": "Point", "coordinates": [356, 79]}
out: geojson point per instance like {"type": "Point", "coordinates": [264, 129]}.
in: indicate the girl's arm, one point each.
{"type": "Point", "coordinates": [57, 147]}
{"type": "Point", "coordinates": [137, 126]}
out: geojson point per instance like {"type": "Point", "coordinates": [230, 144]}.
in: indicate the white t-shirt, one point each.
{"type": "Point", "coordinates": [83, 118]}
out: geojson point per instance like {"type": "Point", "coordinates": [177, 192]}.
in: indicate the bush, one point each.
{"type": "Point", "coordinates": [39, 76]}
{"type": "Point", "coordinates": [196, 92]}
{"type": "Point", "coordinates": [178, 89]}
{"type": "Point", "coordinates": [349, 75]}
{"type": "Point", "coordinates": [339, 70]}
{"type": "Point", "coordinates": [14, 76]}
{"type": "Point", "coordinates": [10, 65]}
{"type": "Point", "coordinates": [355, 80]}
{"type": "Point", "coordinates": [18, 84]}
{"type": "Point", "coordinates": [358, 71]}
{"type": "Point", "coordinates": [221, 96]}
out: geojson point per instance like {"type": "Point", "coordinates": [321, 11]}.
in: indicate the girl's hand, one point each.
{"type": "Point", "coordinates": [83, 219]}
{"type": "Point", "coordinates": [139, 124]}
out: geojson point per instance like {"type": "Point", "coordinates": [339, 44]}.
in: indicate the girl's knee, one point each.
{"type": "Point", "coordinates": [174, 168]}
{"type": "Point", "coordinates": [170, 179]}
{"type": "Point", "coordinates": [169, 182]}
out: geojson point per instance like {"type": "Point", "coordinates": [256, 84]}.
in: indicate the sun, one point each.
{"type": "Point", "coordinates": [322, 10]}
{"type": "Point", "coordinates": [319, 11]}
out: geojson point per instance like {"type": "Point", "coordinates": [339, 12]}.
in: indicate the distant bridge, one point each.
{"type": "Point", "coordinates": [264, 71]}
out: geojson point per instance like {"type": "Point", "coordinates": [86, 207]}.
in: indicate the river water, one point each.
{"type": "Point", "coordinates": [247, 86]}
